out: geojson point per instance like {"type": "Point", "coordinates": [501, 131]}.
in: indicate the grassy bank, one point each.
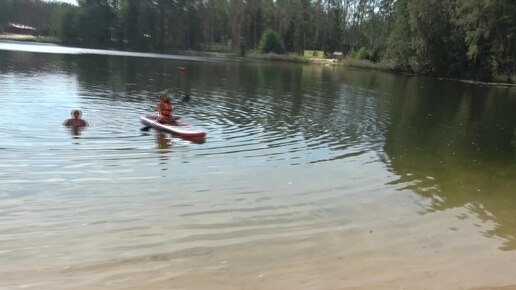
{"type": "Point", "coordinates": [366, 64]}
{"type": "Point", "coordinates": [291, 57]}
{"type": "Point", "coordinates": [355, 63]}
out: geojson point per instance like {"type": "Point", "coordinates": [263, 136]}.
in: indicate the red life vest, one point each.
{"type": "Point", "coordinates": [164, 110]}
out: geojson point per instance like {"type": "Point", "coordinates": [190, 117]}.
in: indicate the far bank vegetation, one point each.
{"type": "Point", "coordinates": [474, 39]}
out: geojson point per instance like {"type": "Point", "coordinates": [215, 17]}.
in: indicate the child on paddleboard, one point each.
{"type": "Point", "coordinates": [165, 109]}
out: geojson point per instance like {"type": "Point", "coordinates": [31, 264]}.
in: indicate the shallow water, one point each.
{"type": "Point", "coordinates": [311, 177]}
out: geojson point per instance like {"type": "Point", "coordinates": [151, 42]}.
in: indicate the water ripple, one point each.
{"type": "Point", "coordinates": [279, 162]}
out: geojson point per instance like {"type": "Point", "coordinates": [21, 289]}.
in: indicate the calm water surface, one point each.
{"type": "Point", "coordinates": [311, 177]}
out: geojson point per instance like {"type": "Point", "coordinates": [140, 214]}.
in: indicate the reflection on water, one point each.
{"type": "Point", "coordinates": [163, 145]}
{"type": "Point", "coordinates": [452, 145]}
{"type": "Point", "coordinates": [311, 177]}
{"type": "Point", "coordinates": [76, 131]}
{"type": "Point", "coordinates": [162, 141]}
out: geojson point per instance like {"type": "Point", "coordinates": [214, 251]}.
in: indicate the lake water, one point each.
{"type": "Point", "coordinates": [311, 177]}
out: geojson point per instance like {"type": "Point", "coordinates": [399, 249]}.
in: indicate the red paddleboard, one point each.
{"type": "Point", "coordinates": [178, 128]}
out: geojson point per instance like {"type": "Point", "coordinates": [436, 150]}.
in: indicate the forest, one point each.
{"type": "Point", "coordinates": [472, 39]}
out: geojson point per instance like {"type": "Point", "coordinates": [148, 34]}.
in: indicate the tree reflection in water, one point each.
{"type": "Point", "coordinates": [455, 146]}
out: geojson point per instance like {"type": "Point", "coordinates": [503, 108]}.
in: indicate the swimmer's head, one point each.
{"type": "Point", "coordinates": [76, 113]}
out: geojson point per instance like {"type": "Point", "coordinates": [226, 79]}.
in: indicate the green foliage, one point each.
{"type": "Point", "coordinates": [425, 39]}
{"type": "Point", "coordinates": [352, 54]}
{"type": "Point", "coordinates": [271, 42]}
{"type": "Point", "coordinates": [67, 27]}
{"type": "Point", "coordinates": [94, 22]}
{"type": "Point", "coordinates": [243, 48]}
{"type": "Point", "coordinates": [313, 53]}
{"type": "Point", "coordinates": [490, 36]}
{"type": "Point", "coordinates": [4, 12]}
{"type": "Point", "coordinates": [364, 54]}
{"type": "Point", "coordinates": [383, 65]}
{"type": "Point", "coordinates": [290, 57]}
{"type": "Point", "coordinates": [288, 38]}
{"type": "Point", "coordinates": [335, 34]}
{"type": "Point", "coordinates": [399, 48]}
{"type": "Point", "coordinates": [459, 38]}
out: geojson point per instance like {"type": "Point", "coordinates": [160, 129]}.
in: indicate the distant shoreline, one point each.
{"type": "Point", "coordinates": [346, 62]}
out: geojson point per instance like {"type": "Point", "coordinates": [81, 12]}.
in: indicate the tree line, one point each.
{"type": "Point", "coordinates": [456, 38]}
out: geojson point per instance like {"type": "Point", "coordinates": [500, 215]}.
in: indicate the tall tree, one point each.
{"type": "Point", "coordinates": [490, 36]}
{"type": "Point", "coordinates": [237, 13]}
{"type": "Point", "coordinates": [95, 21]}
{"type": "Point", "coordinates": [425, 39]}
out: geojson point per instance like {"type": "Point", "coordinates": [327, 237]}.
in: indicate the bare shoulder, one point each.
{"type": "Point", "coordinates": [75, 123]}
